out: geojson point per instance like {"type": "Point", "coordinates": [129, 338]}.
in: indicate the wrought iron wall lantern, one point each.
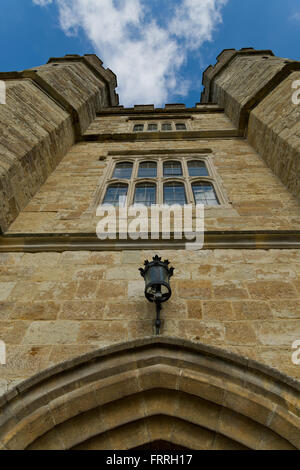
{"type": "Point", "coordinates": [157, 276]}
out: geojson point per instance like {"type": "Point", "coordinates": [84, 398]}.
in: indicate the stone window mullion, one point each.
{"type": "Point", "coordinates": [189, 189]}
{"type": "Point", "coordinates": [187, 180]}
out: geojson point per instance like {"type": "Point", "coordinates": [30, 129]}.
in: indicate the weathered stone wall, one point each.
{"type": "Point", "coordinates": [58, 306]}
{"type": "Point", "coordinates": [255, 89]}
{"type": "Point", "coordinates": [78, 86]}
{"type": "Point", "coordinates": [215, 121]}
{"type": "Point", "coordinates": [55, 306]}
{"type": "Point", "coordinates": [213, 70]}
{"type": "Point", "coordinates": [257, 199]}
{"type": "Point", "coordinates": [36, 134]}
{"type": "Point", "coordinates": [274, 132]}
{"type": "Point", "coordinates": [45, 110]}
{"type": "Point", "coordinates": [233, 90]}
{"type": "Point", "coordinates": [240, 79]}
{"type": "Point", "coordinates": [197, 122]}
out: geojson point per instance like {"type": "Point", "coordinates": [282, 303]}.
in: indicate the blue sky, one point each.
{"type": "Point", "coordinates": [158, 48]}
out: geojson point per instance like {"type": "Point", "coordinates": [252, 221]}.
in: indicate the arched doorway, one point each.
{"type": "Point", "coordinates": [152, 393]}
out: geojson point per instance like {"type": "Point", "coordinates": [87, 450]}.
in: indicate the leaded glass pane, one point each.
{"type": "Point", "coordinates": [197, 168]}
{"type": "Point", "coordinates": [174, 193]}
{"type": "Point", "coordinates": [204, 193]}
{"type": "Point", "coordinates": [114, 193]}
{"type": "Point", "coordinates": [123, 171]}
{"type": "Point", "coordinates": [180, 126]}
{"type": "Point", "coordinates": [145, 194]}
{"type": "Point", "coordinates": [147, 170]}
{"type": "Point", "coordinates": [172, 169]}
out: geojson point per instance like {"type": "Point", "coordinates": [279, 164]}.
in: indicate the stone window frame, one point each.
{"type": "Point", "coordinates": [160, 179]}
{"type": "Point", "coordinates": [160, 124]}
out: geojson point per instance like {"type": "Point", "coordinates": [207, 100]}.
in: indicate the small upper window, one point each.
{"type": "Point", "coordinates": [204, 193]}
{"type": "Point", "coordinates": [152, 127]}
{"type": "Point", "coordinates": [197, 168]}
{"type": "Point", "coordinates": [147, 170]}
{"type": "Point", "coordinates": [166, 126]}
{"type": "Point", "coordinates": [138, 128]}
{"type": "Point", "coordinates": [180, 126]}
{"type": "Point", "coordinates": [172, 169]}
{"type": "Point", "coordinates": [123, 171]}
{"type": "Point", "coordinates": [116, 195]}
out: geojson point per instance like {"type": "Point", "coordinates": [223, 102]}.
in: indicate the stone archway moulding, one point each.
{"type": "Point", "coordinates": [153, 389]}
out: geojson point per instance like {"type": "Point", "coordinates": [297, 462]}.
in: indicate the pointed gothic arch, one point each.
{"type": "Point", "coordinates": [153, 390]}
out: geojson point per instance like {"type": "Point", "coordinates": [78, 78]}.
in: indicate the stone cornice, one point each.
{"type": "Point", "coordinates": [248, 240]}
{"type": "Point", "coordinates": [137, 117]}
{"type": "Point", "coordinates": [121, 111]}
{"type": "Point", "coordinates": [176, 151]}
{"type": "Point", "coordinates": [171, 135]}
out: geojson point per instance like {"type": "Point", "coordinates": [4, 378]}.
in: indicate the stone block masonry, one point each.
{"type": "Point", "coordinates": [58, 306]}
{"type": "Point", "coordinates": [46, 110]}
{"type": "Point", "coordinates": [66, 203]}
{"type": "Point", "coordinates": [255, 89]}
{"type": "Point", "coordinates": [58, 143]}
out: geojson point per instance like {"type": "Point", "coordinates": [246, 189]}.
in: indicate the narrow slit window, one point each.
{"type": "Point", "coordinates": [138, 128]}
{"type": "Point", "coordinates": [152, 127]}
{"type": "Point", "coordinates": [145, 194]}
{"type": "Point", "coordinates": [147, 170]}
{"type": "Point", "coordinates": [166, 127]}
{"type": "Point", "coordinates": [116, 195]}
{"type": "Point", "coordinates": [172, 169]}
{"type": "Point", "coordinates": [123, 170]}
{"type": "Point", "coordinates": [204, 193]}
{"type": "Point", "coordinates": [197, 168]}
{"type": "Point", "coordinates": [180, 126]}
{"type": "Point", "coordinates": [174, 193]}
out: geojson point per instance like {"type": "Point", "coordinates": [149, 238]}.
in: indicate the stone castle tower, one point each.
{"type": "Point", "coordinates": [83, 368]}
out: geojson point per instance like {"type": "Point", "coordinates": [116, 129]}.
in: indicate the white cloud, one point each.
{"type": "Point", "coordinates": [296, 16]}
{"type": "Point", "coordinates": [195, 20]}
{"type": "Point", "coordinates": [146, 56]}
{"type": "Point", "coordinates": [42, 3]}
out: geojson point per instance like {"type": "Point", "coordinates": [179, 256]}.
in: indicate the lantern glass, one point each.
{"type": "Point", "coordinates": [157, 276]}
{"type": "Point", "coordinates": [157, 284]}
